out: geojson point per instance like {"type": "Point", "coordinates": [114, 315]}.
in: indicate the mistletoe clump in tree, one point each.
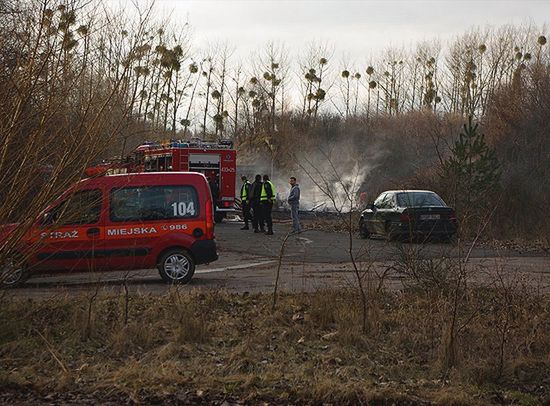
{"type": "Point", "coordinates": [472, 173]}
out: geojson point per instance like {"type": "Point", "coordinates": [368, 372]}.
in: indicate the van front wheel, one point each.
{"type": "Point", "coordinates": [13, 273]}
{"type": "Point", "coordinates": [176, 266]}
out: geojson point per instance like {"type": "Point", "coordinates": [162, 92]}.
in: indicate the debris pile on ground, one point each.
{"type": "Point", "coordinates": [334, 223]}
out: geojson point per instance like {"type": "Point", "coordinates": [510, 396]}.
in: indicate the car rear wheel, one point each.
{"type": "Point", "coordinates": [13, 273]}
{"type": "Point", "coordinates": [176, 266]}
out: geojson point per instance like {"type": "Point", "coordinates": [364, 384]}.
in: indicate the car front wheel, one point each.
{"type": "Point", "coordinates": [176, 266]}
{"type": "Point", "coordinates": [363, 231]}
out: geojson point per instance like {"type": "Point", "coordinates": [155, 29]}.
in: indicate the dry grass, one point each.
{"type": "Point", "coordinates": [212, 346]}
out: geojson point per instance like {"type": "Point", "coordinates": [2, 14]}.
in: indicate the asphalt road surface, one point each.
{"type": "Point", "coordinates": [325, 247]}
{"type": "Point", "coordinates": [309, 261]}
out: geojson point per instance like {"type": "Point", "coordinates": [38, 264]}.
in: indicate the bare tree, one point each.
{"type": "Point", "coordinates": [60, 110]}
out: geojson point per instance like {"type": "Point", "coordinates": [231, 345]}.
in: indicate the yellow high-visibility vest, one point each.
{"type": "Point", "coordinates": [263, 196]}
{"type": "Point", "coordinates": [244, 191]}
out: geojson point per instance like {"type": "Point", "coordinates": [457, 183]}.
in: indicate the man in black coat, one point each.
{"type": "Point", "coordinates": [267, 198]}
{"type": "Point", "coordinates": [257, 215]}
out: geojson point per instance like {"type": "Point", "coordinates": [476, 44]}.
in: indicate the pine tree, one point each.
{"type": "Point", "coordinates": [473, 173]}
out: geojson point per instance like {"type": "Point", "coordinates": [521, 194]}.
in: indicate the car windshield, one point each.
{"type": "Point", "coordinates": [418, 199]}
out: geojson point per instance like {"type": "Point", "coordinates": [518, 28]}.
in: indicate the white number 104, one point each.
{"type": "Point", "coordinates": [182, 209]}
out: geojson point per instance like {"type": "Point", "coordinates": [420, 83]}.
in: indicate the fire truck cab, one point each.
{"type": "Point", "coordinates": [216, 160]}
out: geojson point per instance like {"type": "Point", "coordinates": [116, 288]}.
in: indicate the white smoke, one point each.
{"type": "Point", "coordinates": [329, 181]}
{"type": "Point", "coordinates": [333, 189]}
{"type": "Point", "coordinates": [333, 183]}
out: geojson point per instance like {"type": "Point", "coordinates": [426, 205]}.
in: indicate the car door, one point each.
{"type": "Point", "coordinates": [123, 245]}
{"type": "Point", "coordinates": [388, 213]}
{"type": "Point", "coordinates": [375, 219]}
{"type": "Point", "coordinates": [70, 236]}
{"type": "Point", "coordinates": [141, 216]}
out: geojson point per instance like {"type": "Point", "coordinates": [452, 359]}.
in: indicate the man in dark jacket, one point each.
{"type": "Point", "coordinates": [214, 189]}
{"type": "Point", "coordinates": [267, 198]}
{"type": "Point", "coordinates": [255, 193]}
{"type": "Point", "coordinates": [245, 201]}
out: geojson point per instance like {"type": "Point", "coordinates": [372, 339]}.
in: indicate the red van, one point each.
{"type": "Point", "coordinates": [123, 222]}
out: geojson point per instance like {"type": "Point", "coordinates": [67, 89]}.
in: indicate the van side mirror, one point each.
{"type": "Point", "coordinates": [48, 218]}
{"type": "Point", "coordinates": [372, 207]}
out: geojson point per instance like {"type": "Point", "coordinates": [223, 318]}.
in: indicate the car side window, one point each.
{"type": "Point", "coordinates": [387, 202]}
{"type": "Point", "coordinates": [82, 207]}
{"type": "Point", "coordinates": [379, 200]}
{"type": "Point", "coordinates": [390, 201]}
{"type": "Point", "coordinates": [153, 203]}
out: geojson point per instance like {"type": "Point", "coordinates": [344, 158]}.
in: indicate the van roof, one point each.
{"type": "Point", "coordinates": [148, 177]}
{"type": "Point", "coordinates": [148, 174]}
{"type": "Point", "coordinates": [134, 179]}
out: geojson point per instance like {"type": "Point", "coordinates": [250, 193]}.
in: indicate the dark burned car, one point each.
{"type": "Point", "coordinates": [408, 214]}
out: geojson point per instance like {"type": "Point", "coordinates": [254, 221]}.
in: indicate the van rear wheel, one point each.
{"type": "Point", "coordinates": [176, 266]}
{"type": "Point", "coordinates": [219, 216]}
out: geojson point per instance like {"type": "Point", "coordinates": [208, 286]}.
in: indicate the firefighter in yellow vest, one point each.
{"type": "Point", "coordinates": [267, 197]}
{"type": "Point", "coordinates": [245, 201]}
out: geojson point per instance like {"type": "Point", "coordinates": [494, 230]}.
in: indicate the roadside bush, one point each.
{"type": "Point", "coordinates": [517, 125]}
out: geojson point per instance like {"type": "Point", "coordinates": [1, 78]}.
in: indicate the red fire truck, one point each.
{"type": "Point", "coordinates": [216, 160]}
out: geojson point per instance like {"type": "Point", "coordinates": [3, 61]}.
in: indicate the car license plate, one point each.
{"type": "Point", "coordinates": [429, 217]}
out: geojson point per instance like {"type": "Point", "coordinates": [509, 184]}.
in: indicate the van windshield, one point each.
{"type": "Point", "coordinates": [153, 203]}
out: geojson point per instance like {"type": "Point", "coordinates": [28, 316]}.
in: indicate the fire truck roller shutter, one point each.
{"type": "Point", "coordinates": [201, 162]}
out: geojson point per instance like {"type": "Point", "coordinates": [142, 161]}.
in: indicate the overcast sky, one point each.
{"type": "Point", "coordinates": [356, 29]}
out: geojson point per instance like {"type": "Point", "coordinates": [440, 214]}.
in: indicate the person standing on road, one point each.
{"type": "Point", "coordinates": [255, 194]}
{"type": "Point", "coordinates": [214, 189]}
{"type": "Point", "coordinates": [267, 198]}
{"type": "Point", "coordinates": [294, 202]}
{"type": "Point", "coordinates": [245, 201]}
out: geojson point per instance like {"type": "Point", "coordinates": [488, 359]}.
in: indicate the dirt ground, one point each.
{"type": "Point", "coordinates": [310, 261]}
